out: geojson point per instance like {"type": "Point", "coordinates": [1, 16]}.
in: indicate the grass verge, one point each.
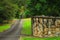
{"type": "Point", "coordinates": [35, 38]}
{"type": "Point", "coordinates": [26, 26]}
{"type": "Point", "coordinates": [4, 27]}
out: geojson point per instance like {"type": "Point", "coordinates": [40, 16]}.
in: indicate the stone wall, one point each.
{"type": "Point", "coordinates": [45, 26]}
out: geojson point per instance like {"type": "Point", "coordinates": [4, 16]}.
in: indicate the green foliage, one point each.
{"type": "Point", "coordinates": [38, 5]}
{"type": "Point", "coordinates": [54, 7]}
{"type": "Point", "coordinates": [43, 7]}
{"type": "Point", "coordinates": [12, 8]}
{"type": "Point", "coordinates": [7, 10]}
{"type": "Point", "coordinates": [27, 13]}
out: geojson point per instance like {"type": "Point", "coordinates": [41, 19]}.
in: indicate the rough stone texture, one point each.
{"type": "Point", "coordinates": [46, 27]}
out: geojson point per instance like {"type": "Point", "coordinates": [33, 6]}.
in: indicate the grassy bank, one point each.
{"type": "Point", "coordinates": [4, 27]}
{"type": "Point", "coordinates": [26, 26]}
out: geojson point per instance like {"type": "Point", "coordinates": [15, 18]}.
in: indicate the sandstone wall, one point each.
{"type": "Point", "coordinates": [44, 27]}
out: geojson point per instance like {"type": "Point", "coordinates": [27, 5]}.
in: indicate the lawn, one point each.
{"type": "Point", "coordinates": [26, 26]}
{"type": "Point", "coordinates": [4, 27]}
{"type": "Point", "coordinates": [35, 38]}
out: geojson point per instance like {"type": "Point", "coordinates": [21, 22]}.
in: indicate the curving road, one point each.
{"type": "Point", "coordinates": [14, 32]}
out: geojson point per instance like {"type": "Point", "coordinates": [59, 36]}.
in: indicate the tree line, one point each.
{"type": "Point", "coordinates": [10, 9]}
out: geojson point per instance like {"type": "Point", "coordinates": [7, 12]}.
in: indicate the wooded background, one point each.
{"type": "Point", "coordinates": [10, 9]}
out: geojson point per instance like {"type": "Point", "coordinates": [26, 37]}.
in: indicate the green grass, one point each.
{"type": "Point", "coordinates": [4, 27]}
{"type": "Point", "coordinates": [26, 26]}
{"type": "Point", "coordinates": [34, 38]}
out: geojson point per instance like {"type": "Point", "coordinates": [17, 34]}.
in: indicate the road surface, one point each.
{"type": "Point", "coordinates": [14, 32]}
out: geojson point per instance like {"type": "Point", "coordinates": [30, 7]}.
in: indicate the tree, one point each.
{"type": "Point", "coordinates": [44, 7]}
{"type": "Point", "coordinates": [7, 10]}
{"type": "Point", "coordinates": [54, 6]}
